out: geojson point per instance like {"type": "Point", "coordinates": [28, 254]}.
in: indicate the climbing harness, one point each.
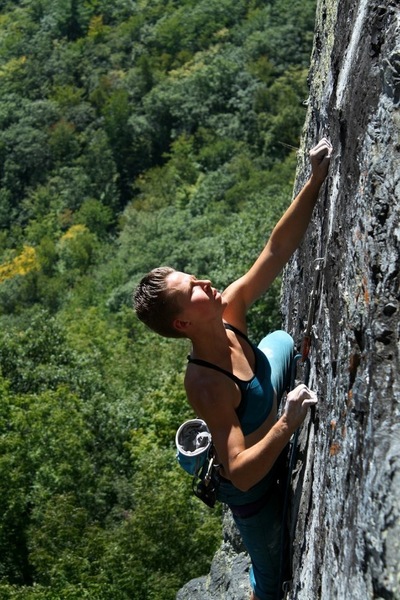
{"type": "Point", "coordinates": [196, 455]}
{"type": "Point", "coordinates": [300, 372]}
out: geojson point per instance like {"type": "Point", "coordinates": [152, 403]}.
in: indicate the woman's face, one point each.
{"type": "Point", "coordinates": [196, 297]}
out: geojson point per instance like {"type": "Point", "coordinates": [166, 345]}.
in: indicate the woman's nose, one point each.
{"type": "Point", "coordinates": [205, 283]}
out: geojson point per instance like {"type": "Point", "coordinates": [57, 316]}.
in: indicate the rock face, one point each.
{"type": "Point", "coordinates": [347, 489]}
{"type": "Point", "coordinates": [229, 574]}
{"type": "Point", "coordinates": [346, 483]}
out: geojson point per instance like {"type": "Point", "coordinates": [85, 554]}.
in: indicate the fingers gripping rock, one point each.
{"type": "Point", "coordinates": [298, 401]}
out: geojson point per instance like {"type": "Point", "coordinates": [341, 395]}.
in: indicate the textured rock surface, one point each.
{"type": "Point", "coordinates": [347, 539]}
{"type": "Point", "coordinates": [346, 485]}
{"type": "Point", "coordinates": [229, 574]}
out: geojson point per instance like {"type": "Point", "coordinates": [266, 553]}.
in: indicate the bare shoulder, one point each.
{"type": "Point", "coordinates": [211, 394]}
{"type": "Point", "coordinates": [213, 398]}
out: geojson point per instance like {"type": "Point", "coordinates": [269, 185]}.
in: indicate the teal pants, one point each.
{"type": "Point", "coordinates": [278, 347]}
{"type": "Point", "coordinates": [262, 537]}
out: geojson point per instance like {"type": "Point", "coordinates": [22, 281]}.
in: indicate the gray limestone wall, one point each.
{"type": "Point", "coordinates": [345, 521]}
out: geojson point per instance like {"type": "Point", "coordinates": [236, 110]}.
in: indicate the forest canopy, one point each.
{"type": "Point", "coordinates": [132, 134]}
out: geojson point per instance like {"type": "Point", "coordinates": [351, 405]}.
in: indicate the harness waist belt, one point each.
{"type": "Point", "coordinates": [245, 511]}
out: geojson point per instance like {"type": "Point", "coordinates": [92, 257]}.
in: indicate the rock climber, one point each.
{"type": "Point", "coordinates": [235, 386]}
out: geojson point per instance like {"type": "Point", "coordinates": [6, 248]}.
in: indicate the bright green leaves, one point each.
{"type": "Point", "coordinates": [92, 495]}
{"type": "Point", "coordinates": [42, 454]}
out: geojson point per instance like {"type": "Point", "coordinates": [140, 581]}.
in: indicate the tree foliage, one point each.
{"type": "Point", "coordinates": [132, 134]}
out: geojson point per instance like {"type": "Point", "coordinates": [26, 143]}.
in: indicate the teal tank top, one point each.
{"type": "Point", "coordinates": [257, 394]}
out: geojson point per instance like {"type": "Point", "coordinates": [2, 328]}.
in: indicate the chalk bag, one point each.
{"type": "Point", "coordinates": [193, 442]}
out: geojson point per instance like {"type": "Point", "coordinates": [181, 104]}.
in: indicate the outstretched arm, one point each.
{"type": "Point", "coordinates": [285, 238]}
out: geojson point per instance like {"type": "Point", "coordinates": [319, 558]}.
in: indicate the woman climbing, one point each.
{"type": "Point", "coordinates": [235, 386]}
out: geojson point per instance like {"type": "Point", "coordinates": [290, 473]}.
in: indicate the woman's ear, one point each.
{"type": "Point", "coordinates": [180, 325]}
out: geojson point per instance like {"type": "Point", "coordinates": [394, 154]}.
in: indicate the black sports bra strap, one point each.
{"type": "Point", "coordinates": [237, 331]}
{"type": "Point", "coordinates": [204, 363]}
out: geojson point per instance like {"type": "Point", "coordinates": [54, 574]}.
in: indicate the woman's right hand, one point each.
{"type": "Point", "coordinates": [298, 401]}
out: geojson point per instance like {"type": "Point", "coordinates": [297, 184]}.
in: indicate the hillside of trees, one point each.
{"type": "Point", "coordinates": [133, 134]}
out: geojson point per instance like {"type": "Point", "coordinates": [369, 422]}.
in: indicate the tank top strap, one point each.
{"type": "Point", "coordinates": [205, 363]}
{"type": "Point", "coordinates": [238, 332]}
